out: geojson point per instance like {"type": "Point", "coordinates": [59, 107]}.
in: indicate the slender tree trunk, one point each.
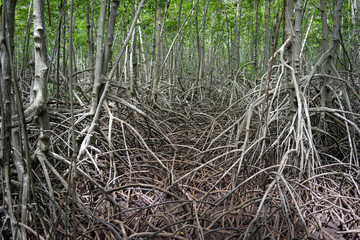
{"type": "Point", "coordinates": [202, 47]}
{"type": "Point", "coordinates": [198, 47]}
{"type": "Point", "coordinates": [178, 58]}
{"type": "Point", "coordinates": [255, 55]}
{"type": "Point", "coordinates": [6, 112]}
{"type": "Point", "coordinates": [153, 48]}
{"type": "Point", "coordinates": [237, 28]}
{"type": "Point", "coordinates": [288, 36]}
{"type": "Point", "coordinates": [144, 57]}
{"type": "Point", "coordinates": [64, 55]}
{"type": "Point", "coordinates": [324, 27]}
{"type": "Point", "coordinates": [7, 19]}
{"type": "Point", "coordinates": [26, 42]}
{"type": "Point", "coordinates": [90, 39]}
{"type": "Point", "coordinates": [133, 61]}
{"type": "Point", "coordinates": [73, 168]}
{"type": "Point", "coordinates": [297, 37]}
{"type": "Point", "coordinates": [189, 57]}
{"type": "Point", "coordinates": [336, 30]}
{"type": "Point", "coordinates": [267, 44]}
{"type": "Point", "coordinates": [99, 59]}
{"type": "Point", "coordinates": [325, 91]}
{"type": "Point", "coordinates": [155, 79]}
{"type": "Point", "coordinates": [126, 64]}
{"type": "Point", "coordinates": [355, 18]}
{"type": "Point", "coordinates": [62, 9]}
{"type": "Point", "coordinates": [110, 34]}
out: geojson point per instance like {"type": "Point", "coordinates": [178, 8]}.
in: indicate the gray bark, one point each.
{"type": "Point", "coordinates": [38, 106]}
{"type": "Point", "coordinates": [289, 57]}
{"type": "Point", "coordinates": [267, 34]}
{"type": "Point", "coordinates": [95, 119]}
{"type": "Point", "coordinates": [297, 37]}
{"type": "Point", "coordinates": [89, 34]}
{"type": "Point", "coordinates": [325, 91]}
{"type": "Point", "coordinates": [155, 80]}
{"type": "Point", "coordinates": [237, 28]}
{"type": "Point", "coordinates": [99, 58]}
{"type": "Point", "coordinates": [110, 34]}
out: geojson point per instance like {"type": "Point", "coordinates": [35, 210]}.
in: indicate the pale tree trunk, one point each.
{"type": "Point", "coordinates": [71, 80]}
{"type": "Point", "coordinates": [197, 32]}
{"type": "Point", "coordinates": [355, 18]}
{"type": "Point", "coordinates": [325, 91]}
{"type": "Point", "coordinates": [125, 65]}
{"type": "Point", "coordinates": [73, 168]}
{"type": "Point", "coordinates": [172, 71]}
{"type": "Point", "coordinates": [133, 61]}
{"type": "Point", "coordinates": [103, 56]}
{"type": "Point", "coordinates": [200, 39]}
{"type": "Point", "coordinates": [255, 55]}
{"type": "Point", "coordinates": [156, 67]}
{"type": "Point", "coordinates": [62, 7]}
{"type": "Point", "coordinates": [178, 57]}
{"type": "Point", "coordinates": [39, 105]}
{"type": "Point", "coordinates": [292, 54]}
{"type": "Point", "coordinates": [64, 41]}
{"type": "Point", "coordinates": [267, 44]}
{"type": "Point", "coordinates": [202, 47]}
{"type": "Point", "coordinates": [237, 28]}
{"type": "Point", "coordinates": [153, 49]}
{"type": "Point", "coordinates": [110, 35]}
{"type": "Point", "coordinates": [90, 39]}
{"type": "Point", "coordinates": [288, 36]}
{"type": "Point", "coordinates": [189, 63]}
{"type": "Point", "coordinates": [228, 40]}
{"type": "Point", "coordinates": [297, 37]}
{"type": "Point", "coordinates": [144, 57]}
{"type": "Point", "coordinates": [99, 58]}
{"type": "Point", "coordinates": [26, 42]}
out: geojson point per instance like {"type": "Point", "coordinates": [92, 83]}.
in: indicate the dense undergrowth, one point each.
{"type": "Point", "coordinates": [235, 163]}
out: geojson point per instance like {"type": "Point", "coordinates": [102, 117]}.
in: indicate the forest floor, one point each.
{"type": "Point", "coordinates": [177, 174]}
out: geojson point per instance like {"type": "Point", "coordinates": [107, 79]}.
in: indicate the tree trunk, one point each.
{"type": "Point", "coordinates": [267, 44]}
{"type": "Point", "coordinates": [288, 36]}
{"type": "Point", "coordinates": [155, 79]}
{"type": "Point", "coordinates": [7, 18]}
{"type": "Point", "coordinates": [325, 91]}
{"type": "Point", "coordinates": [26, 42]}
{"type": "Point", "coordinates": [202, 48]}
{"type": "Point", "coordinates": [255, 55]}
{"type": "Point", "coordinates": [237, 32]}
{"type": "Point", "coordinates": [39, 105]}
{"type": "Point", "coordinates": [144, 57]}
{"type": "Point", "coordinates": [99, 59]}
{"type": "Point", "coordinates": [62, 7]}
{"type": "Point", "coordinates": [133, 61]}
{"type": "Point", "coordinates": [297, 37]}
{"type": "Point", "coordinates": [110, 35]}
